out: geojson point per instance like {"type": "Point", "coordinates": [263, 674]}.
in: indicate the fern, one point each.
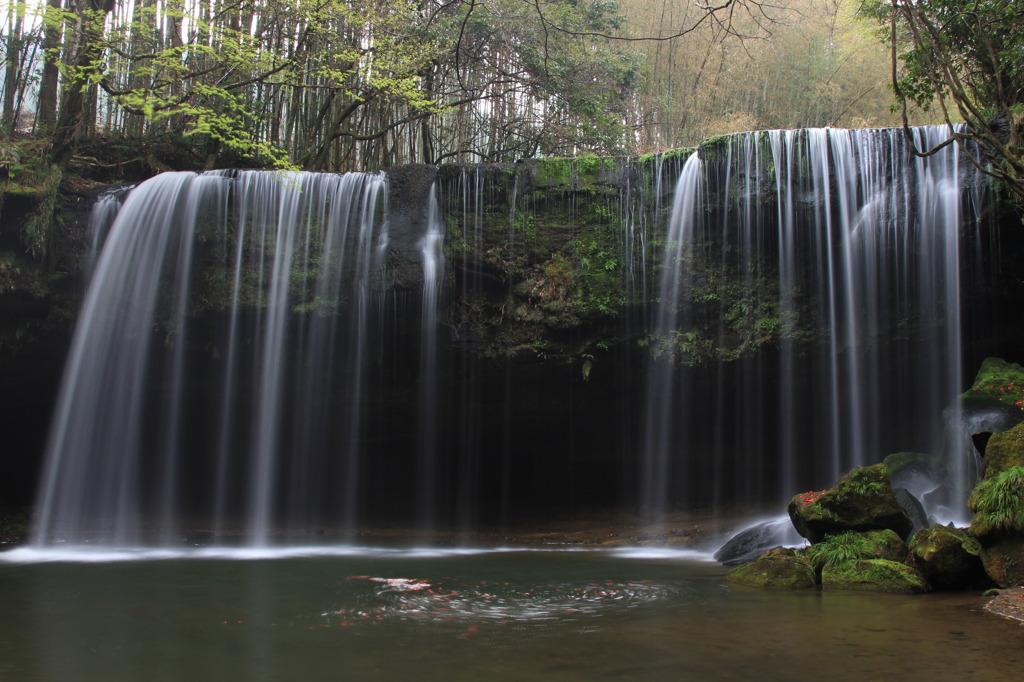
{"type": "Point", "coordinates": [998, 502]}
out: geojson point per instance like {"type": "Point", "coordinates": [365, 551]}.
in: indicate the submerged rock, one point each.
{"type": "Point", "coordinates": [776, 569]}
{"type": "Point", "coordinates": [873, 575]}
{"type": "Point", "coordinates": [860, 501]}
{"type": "Point", "coordinates": [948, 557]}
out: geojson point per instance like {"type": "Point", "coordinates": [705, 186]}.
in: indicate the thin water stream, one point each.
{"type": "Point", "coordinates": [494, 615]}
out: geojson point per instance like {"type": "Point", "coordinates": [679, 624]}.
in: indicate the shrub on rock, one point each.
{"type": "Point", "coordinates": [854, 546]}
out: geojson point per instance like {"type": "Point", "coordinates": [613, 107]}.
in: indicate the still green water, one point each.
{"type": "Point", "coordinates": [500, 615]}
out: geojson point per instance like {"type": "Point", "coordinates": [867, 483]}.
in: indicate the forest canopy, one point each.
{"type": "Point", "coordinates": [339, 85]}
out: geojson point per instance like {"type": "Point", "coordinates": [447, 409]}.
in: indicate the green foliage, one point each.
{"type": "Point", "coordinates": [856, 546]}
{"type": "Point", "coordinates": [835, 549]}
{"type": "Point", "coordinates": [998, 503]}
{"type": "Point", "coordinates": [731, 314]}
{"type": "Point", "coordinates": [965, 58]}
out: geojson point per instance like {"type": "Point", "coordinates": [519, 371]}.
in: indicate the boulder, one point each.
{"type": "Point", "coordinates": [752, 542]}
{"type": "Point", "coordinates": [914, 470]}
{"type": "Point", "coordinates": [913, 507]}
{"type": "Point", "coordinates": [948, 557]}
{"type": "Point", "coordinates": [1004, 450]}
{"type": "Point", "coordinates": [1004, 560]}
{"type": "Point", "coordinates": [997, 387]}
{"type": "Point", "coordinates": [860, 501]}
{"type": "Point", "coordinates": [777, 569]}
{"type": "Point", "coordinates": [873, 575]}
{"type": "Point", "coordinates": [997, 503]}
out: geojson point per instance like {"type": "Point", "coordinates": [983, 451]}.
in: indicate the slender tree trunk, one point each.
{"type": "Point", "coordinates": [72, 113]}
{"type": "Point", "coordinates": [46, 112]}
{"type": "Point", "coordinates": [16, 17]}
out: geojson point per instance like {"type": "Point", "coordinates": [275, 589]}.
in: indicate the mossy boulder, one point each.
{"type": "Point", "coordinates": [860, 501]}
{"type": "Point", "coordinates": [1004, 450]}
{"type": "Point", "coordinates": [997, 503]}
{"type": "Point", "coordinates": [997, 387]}
{"type": "Point", "coordinates": [776, 569]}
{"type": "Point", "coordinates": [873, 575]}
{"type": "Point", "coordinates": [948, 557]}
{"type": "Point", "coordinates": [1004, 560]}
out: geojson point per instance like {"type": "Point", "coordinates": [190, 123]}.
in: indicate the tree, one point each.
{"type": "Point", "coordinates": [965, 57]}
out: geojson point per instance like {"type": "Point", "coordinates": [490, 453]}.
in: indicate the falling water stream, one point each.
{"type": "Point", "coordinates": [250, 359]}
{"type": "Point", "coordinates": [252, 368]}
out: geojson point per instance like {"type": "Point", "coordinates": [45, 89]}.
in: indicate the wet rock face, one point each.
{"type": "Point", "coordinates": [860, 501]}
{"type": "Point", "coordinates": [750, 543]}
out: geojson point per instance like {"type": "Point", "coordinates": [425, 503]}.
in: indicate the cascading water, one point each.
{"type": "Point", "coordinates": [282, 266]}
{"type": "Point", "coordinates": [254, 359]}
{"type": "Point", "coordinates": [809, 318]}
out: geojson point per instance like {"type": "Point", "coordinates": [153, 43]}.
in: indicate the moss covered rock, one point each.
{"type": "Point", "coordinates": [1005, 450]}
{"type": "Point", "coordinates": [776, 569]}
{"type": "Point", "coordinates": [860, 501]}
{"type": "Point", "coordinates": [997, 503]}
{"type": "Point", "coordinates": [948, 557]}
{"type": "Point", "coordinates": [999, 385]}
{"type": "Point", "coordinates": [873, 575]}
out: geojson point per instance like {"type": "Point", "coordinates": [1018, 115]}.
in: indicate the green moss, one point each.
{"type": "Point", "coordinates": [998, 503]}
{"type": "Point", "coordinates": [862, 500]}
{"type": "Point", "coordinates": [998, 385]}
{"type": "Point", "coordinates": [777, 570]}
{"type": "Point", "coordinates": [873, 575]}
{"type": "Point", "coordinates": [1005, 450]}
{"type": "Point", "coordinates": [854, 546]}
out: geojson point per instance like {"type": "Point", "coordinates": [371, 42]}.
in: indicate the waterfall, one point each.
{"type": "Point", "coordinates": [270, 275]}
{"type": "Point", "coordinates": [809, 315]}
{"type": "Point", "coordinates": [287, 357]}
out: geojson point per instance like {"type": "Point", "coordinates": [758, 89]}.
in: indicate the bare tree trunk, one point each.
{"type": "Point", "coordinates": [46, 111]}
{"type": "Point", "coordinates": [16, 17]}
{"type": "Point", "coordinates": [72, 113]}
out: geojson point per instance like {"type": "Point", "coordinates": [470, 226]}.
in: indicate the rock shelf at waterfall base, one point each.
{"type": "Point", "coordinates": [1008, 604]}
